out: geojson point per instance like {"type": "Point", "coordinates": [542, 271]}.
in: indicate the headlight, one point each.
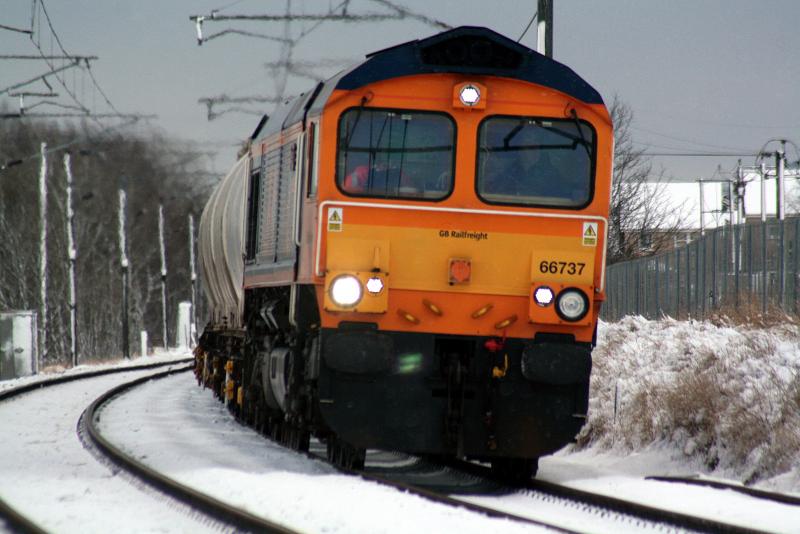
{"type": "Point", "coordinates": [346, 291]}
{"type": "Point", "coordinates": [543, 296]}
{"type": "Point", "coordinates": [572, 305]}
{"type": "Point", "coordinates": [469, 95]}
{"type": "Point", "coordinates": [374, 285]}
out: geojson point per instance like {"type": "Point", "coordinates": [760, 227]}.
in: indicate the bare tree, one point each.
{"type": "Point", "coordinates": [156, 168]}
{"type": "Point", "coordinates": [642, 219]}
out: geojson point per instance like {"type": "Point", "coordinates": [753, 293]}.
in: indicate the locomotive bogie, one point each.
{"type": "Point", "coordinates": [437, 394]}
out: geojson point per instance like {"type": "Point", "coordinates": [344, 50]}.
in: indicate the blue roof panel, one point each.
{"type": "Point", "coordinates": [469, 50]}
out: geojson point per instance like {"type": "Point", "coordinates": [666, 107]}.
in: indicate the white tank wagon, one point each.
{"type": "Point", "coordinates": [220, 245]}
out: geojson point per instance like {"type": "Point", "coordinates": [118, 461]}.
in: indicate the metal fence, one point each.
{"type": "Point", "coordinates": [752, 267]}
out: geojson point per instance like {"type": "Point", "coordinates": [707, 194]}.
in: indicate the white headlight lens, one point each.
{"type": "Point", "coordinates": [374, 285]}
{"type": "Point", "coordinates": [346, 291]}
{"type": "Point", "coordinates": [572, 305]}
{"type": "Point", "coordinates": [469, 95]}
{"type": "Point", "coordinates": [543, 296]}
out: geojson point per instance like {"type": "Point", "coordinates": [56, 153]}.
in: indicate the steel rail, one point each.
{"type": "Point", "coordinates": [14, 519]}
{"type": "Point", "coordinates": [244, 521]}
{"type": "Point", "coordinates": [433, 496]}
{"type": "Point", "coordinates": [455, 502]}
{"type": "Point", "coordinates": [239, 519]}
{"type": "Point", "coordinates": [622, 506]}
{"type": "Point", "coordinates": [63, 379]}
{"type": "Point", "coordinates": [782, 498]}
{"type": "Point", "coordinates": [17, 522]}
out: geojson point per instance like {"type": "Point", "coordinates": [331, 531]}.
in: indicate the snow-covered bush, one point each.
{"type": "Point", "coordinates": [727, 396]}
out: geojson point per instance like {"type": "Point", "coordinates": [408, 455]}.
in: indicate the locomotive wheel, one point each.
{"type": "Point", "coordinates": [344, 455]}
{"type": "Point", "coordinates": [515, 470]}
{"type": "Point", "coordinates": [298, 438]}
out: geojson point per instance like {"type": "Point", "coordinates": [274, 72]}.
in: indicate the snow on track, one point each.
{"type": "Point", "coordinates": [623, 478]}
{"type": "Point", "coordinates": [179, 429]}
{"type": "Point", "coordinates": [50, 478]}
{"type": "Point", "coordinates": [56, 372]}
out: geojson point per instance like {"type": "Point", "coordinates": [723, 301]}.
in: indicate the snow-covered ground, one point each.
{"type": "Point", "coordinates": [718, 400]}
{"type": "Point", "coordinates": [47, 475]}
{"type": "Point", "coordinates": [668, 398]}
{"type": "Point", "coordinates": [179, 429]}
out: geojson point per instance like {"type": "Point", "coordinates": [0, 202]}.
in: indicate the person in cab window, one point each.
{"type": "Point", "coordinates": [383, 178]}
{"type": "Point", "coordinates": [357, 181]}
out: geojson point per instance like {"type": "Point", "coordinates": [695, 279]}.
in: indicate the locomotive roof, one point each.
{"type": "Point", "coordinates": [463, 50]}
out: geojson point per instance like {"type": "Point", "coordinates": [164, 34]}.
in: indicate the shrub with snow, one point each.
{"type": "Point", "coordinates": [729, 397]}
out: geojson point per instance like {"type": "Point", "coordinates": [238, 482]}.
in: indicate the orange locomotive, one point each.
{"type": "Point", "coordinates": [424, 246]}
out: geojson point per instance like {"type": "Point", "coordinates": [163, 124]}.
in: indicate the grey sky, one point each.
{"type": "Point", "coordinates": [700, 75]}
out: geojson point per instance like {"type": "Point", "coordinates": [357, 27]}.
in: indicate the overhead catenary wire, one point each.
{"type": "Point", "coordinates": [685, 140]}
{"type": "Point", "coordinates": [57, 65]}
{"type": "Point", "coordinates": [286, 66]}
{"type": "Point", "coordinates": [528, 27]}
{"type": "Point", "coordinates": [63, 51]}
{"type": "Point", "coordinates": [13, 29]}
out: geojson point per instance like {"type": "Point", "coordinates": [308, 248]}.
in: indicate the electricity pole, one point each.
{"type": "Point", "coordinates": [780, 192]}
{"type": "Point", "coordinates": [72, 256]}
{"type": "Point", "coordinates": [702, 205]}
{"type": "Point", "coordinates": [780, 213]}
{"type": "Point", "coordinates": [123, 263]}
{"type": "Point", "coordinates": [545, 27]}
{"type": "Point", "coordinates": [43, 253]}
{"type": "Point", "coordinates": [163, 275]}
{"type": "Point", "coordinates": [193, 280]}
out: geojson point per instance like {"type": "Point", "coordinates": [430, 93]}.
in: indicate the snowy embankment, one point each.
{"type": "Point", "coordinates": [724, 400]}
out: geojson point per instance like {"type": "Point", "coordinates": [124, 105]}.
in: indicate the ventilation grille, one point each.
{"type": "Point", "coordinates": [471, 51]}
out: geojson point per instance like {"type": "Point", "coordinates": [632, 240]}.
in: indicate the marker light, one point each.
{"type": "Point", "coordinates": [477, 314]}
{"type": "Point", "coordinates": [374, 285]}
{"type": "Point", "coordinates": [408, 317]}
{"type": "Point", "coordinates": [572, 305]}
{"type": "Point", "coordinates": [346, 291]}
{"type": "Point", "coordinates": [508, 321]}
{"type": "Point", "coordinates": [543, 296]}
{"type": "Point", "coordinates": [469, 95]}
{"type": "Point", "coordinates": [436, 310]}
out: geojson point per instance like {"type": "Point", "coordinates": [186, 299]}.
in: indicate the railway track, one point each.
{"type": "Point", "coordinates": [16, 522]}
{"type": "Point", "coordinates": [11, 517]}
{"type": "Point", "coordinates": [781, 498]}
{"type": "Point", "coordinates": [438, 490]}
{"type": "Point", "coordinates": [620, 506]}
{"type": "Point", "coordinates": [234, 517]}
{"type": "Point", "coordinates": [450, 483]}
{"type": "Point", "coordinates": [453, 483]}
{"type": "Point", "coordinates": [231, 515]}
{"type": "Point", "coordinates": [10, 393]}
{"type": "Point", "coordinates": [451, 489]}
{"type": "Point", "coordinates": [439, 483]}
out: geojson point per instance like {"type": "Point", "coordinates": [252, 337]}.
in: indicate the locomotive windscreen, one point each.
{"type": "Point", "coordinates": [543, 162]}
{"type": "Point", "coordinates": [395, 154]}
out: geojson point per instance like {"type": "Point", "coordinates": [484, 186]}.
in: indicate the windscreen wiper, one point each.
{"type": "Point", "coordinates": [574, 115]}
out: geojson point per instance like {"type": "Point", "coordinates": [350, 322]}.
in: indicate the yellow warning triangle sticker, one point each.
{"type": "Point", "coordinates": [589, 232]}
{"type": "Point", "coordinates": [334, 217]}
